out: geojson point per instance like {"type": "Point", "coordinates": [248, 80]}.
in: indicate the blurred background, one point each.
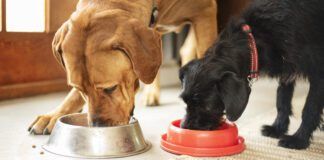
{"type": "Point", "coordinates": [27, 27]}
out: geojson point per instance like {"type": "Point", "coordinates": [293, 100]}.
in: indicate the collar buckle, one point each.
{"type": "Point", "coordinates": [252, 80]}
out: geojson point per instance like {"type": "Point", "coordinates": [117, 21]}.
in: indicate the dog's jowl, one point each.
{"type": "Point", "coordinates": [279, 39]}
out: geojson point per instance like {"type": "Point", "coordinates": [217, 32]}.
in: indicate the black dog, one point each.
{"type": "Point", "coordinates": [289, 36]}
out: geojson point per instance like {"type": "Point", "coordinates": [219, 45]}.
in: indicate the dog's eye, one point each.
{"type": "Point", "coordinates": [110, 90]}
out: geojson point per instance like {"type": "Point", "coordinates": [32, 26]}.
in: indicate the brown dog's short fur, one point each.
{"type": "Point", "coordinates": [173, 15]}
{"type": "Point", "coordinates": [106, 47]}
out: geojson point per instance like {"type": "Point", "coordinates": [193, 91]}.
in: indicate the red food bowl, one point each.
{"type": "Point", "coordinates": [221, 142]}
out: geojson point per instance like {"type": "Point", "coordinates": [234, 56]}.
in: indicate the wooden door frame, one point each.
{"type": "Point", "coordinates": [3, 16]}
{"type": "Point", "coordinates": [25, 88]}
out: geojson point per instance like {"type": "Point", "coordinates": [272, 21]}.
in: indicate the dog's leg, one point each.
{"type": "Point", "coordinates": [44, 123]}
{"type": "Point", "coordinates": [280, 125]}
{"type": "Point", "coordinates": [311, 117]}
{"type": "Point", "coordinates": [322, 123]}
{"type": "Point", "coordinates": [151, 92]}
{"type": "Point", "coordinates": [188, 49]}
{"type": "Point", "coordinates": [187, 52]}
{"type": "Point", "coordinates": [205, 29]}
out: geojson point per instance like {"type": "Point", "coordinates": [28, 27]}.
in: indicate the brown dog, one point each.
{"type": "Point", "coordinates": [106, 47]}
{"type": "Point", "coordinates": [173, 15]}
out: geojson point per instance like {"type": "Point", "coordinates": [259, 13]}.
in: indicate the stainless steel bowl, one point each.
{"type": "Point", "coordinates": [72, 137]}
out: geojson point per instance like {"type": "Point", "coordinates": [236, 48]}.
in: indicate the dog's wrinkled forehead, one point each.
{"type": "Point", "coordinates": [86, 36]}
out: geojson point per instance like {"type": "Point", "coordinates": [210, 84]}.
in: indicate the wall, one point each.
{"type": "Point", "coordinates": [59, 11]}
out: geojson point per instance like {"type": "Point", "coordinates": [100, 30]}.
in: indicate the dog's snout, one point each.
{"type": "Point", "coordinates": [182, 124]}
{"type": "Point", "coordinates": [185, 124]}
{"type": "Point", "coordinates": [195, 123]}
{"type": "Point", "coordinates": [97, 122]}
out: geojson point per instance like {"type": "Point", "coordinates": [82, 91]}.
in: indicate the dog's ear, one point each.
{"type": "Point", "coordinates": [143, 46]}
{"type": "Point", "coordinates": [235, 94]}
{"type": "Point", "coordinates": [57, 43]}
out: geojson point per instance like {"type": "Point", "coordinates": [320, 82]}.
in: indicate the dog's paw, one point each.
{"type": "Point", "coordinates": [270, 131]}
{"type": "Point", "coordinates": [44, 124]}
{"type": "Point", "coordinates": [293, 142]}
{"type": "Point", "coordinates": [151, 96]}
{"type": "Point", "coordinates": [151, 100]}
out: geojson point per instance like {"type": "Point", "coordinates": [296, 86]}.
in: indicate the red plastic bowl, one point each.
{"type": "Point", "coordinates": [225, 135]}
{"type": "Point", "coordinates": [220, 142]}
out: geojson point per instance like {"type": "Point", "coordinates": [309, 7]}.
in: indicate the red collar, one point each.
{"type": "Point", "coordinates": [254, 70]}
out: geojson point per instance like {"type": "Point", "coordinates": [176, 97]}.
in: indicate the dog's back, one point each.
{"type": "Point", "coordinates": [296, 28]}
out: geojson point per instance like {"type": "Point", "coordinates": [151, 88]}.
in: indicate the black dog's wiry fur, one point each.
{"type": "Point", "coordinates": [290, 40]}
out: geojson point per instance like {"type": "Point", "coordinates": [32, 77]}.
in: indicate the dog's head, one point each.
{"type": "Point", "coordinates": [214, 85]}
{"type": "Point", "coordinates": [210, 91]}
{"type": "Point", "coordinates": [217, 84]}
{"type": "Point", "coordinates": [105, 54]}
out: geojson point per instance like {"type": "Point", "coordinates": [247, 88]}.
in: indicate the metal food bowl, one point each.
{"type": "Point", "coordinates": [72, 137]}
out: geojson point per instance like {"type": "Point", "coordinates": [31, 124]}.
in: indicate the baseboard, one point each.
{"type": "Point", "coordinates": [31, 89]}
